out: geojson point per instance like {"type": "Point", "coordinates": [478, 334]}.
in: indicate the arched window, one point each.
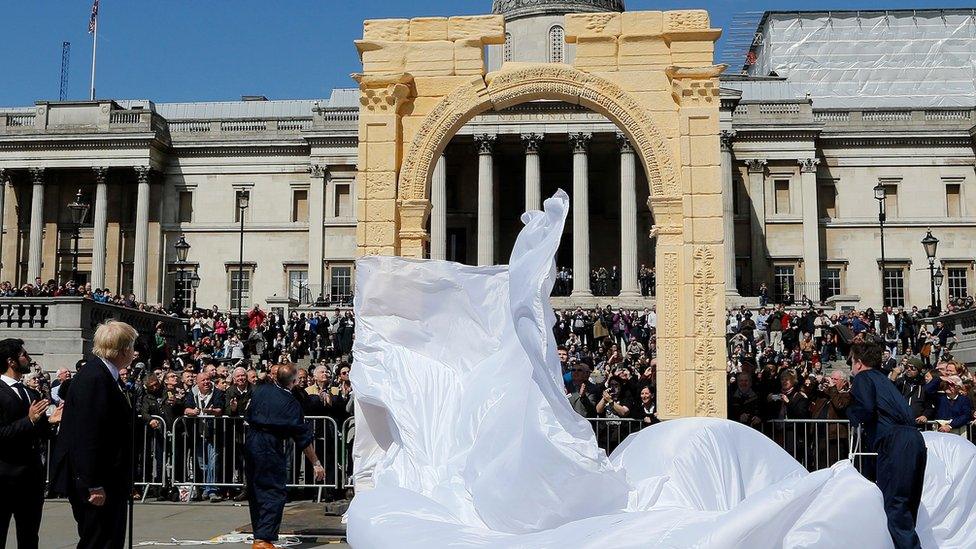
{"type": "Point", "coordinates": [508, 46]}
{"type": "Point", "coordinates": [557, 44]}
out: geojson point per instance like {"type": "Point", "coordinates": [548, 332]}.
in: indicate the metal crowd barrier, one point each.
{"type": "Point", "coordinates": [815, 443]}
{"type": "Point", "coordinates": [348, 434]}
{"type": "Point", "coordinates": [151, 459]}
{"type": "Point", "coordinates": [208, 454]}
{"type": "Point", "coordinates": [610, 432]}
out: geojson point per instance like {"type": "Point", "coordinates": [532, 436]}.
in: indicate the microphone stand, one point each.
{"type": "Point", "coordinates": [132, 467]}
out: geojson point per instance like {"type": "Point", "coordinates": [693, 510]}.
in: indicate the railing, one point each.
{"type": "Point", "coordinates": [208, 453]}
{"type": "Point", "coordinates": [345, 457]}
{"type": "Point", "coordinates": [244, 126]}
{"type": "Point", "coordinates": [779, 108]}
{"type": "Point", "coordinates": [294, 124]}
{"type": "Point", "coordinates": [21, 120]}
{"type": "Point", "coordinates": [23, 314]}
{"type": "Point", "coordinates": [189, 126]}
{"type": "Point", "coordinates": [833, 116]}
{"type": "Point", "coordinates": [887, 116]}
{"type": "Point", "coordinates": [815, 443]}
{"type": "Point", "coordinates": [124, 117]}
{"type": "Point", "coordinates": [959, 114]}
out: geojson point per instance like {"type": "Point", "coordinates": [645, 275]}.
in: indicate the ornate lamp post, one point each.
{"type": "Point", "coordinates": [879, 195]}
{"type": "Point", "coordinates": [939, 278]}
{"type": "Point", "coordinates": [243, 199]}
{"type": "Point", "coordinates": [931, 245]}
{"type": "Point", "coordinates": [195, 283]}
{"type": "Point", "coordinates": [78, 210]}
{"type": "Point", "coordinates": [182, 251]}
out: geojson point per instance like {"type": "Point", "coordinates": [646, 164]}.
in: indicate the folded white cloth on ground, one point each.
{"type": "Point", "coordinates": [464, 437]}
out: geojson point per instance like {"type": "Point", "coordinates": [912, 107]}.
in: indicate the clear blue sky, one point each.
{"type": "Point", "coordinates": [203, 50]}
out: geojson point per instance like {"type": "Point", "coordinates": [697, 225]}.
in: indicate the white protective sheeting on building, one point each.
{"type": "Point", "coordinates": [900, 58]}
{"type": "Point", "coordinates": [464, 437]}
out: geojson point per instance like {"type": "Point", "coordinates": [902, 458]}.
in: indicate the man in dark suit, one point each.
{"type": "Point", "coordinates": [92, 461]}
{"type": "Point", "coordinates": [23, 428]}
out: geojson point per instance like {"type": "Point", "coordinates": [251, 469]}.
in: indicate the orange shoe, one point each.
{"type": "Point", "coordinates": [262, 544]}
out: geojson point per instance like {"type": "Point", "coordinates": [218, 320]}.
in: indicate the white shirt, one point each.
{"type": "Point", "coordinates": [11, 382]}
{"type": "Point", "coordinates": [111, 369]}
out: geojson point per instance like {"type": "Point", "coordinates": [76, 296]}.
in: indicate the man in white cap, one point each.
{"type": "Point", "coordinates": [954, 410]}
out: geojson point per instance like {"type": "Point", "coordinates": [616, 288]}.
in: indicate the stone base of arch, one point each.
{"type": "Point", "coordinates": [651, 73]}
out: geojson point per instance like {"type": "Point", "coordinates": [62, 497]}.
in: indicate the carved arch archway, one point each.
{"type": "Point", "coordinates": [521, 85]}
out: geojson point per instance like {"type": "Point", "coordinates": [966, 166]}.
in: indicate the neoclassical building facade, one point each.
{"type": "Point", "coordinates": [799, 163]}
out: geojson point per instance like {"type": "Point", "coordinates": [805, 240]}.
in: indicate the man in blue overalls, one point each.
{"type": "Point", "coordinates": [273, 416]}
{"type": "Point", "coordinates": [890, 429]}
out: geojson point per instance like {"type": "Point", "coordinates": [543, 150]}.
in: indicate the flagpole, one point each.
{"type": "Point", "coordinates": [94, 48]}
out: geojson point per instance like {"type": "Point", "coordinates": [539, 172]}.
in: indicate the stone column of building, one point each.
{"type": "Point", "coordinates": [757, 192]}
{"type": "Point", "coordinates": [438, 210]}
{"type": "Point", "coordinates": [728, 213]}
{"type": "Point", "coordinates": [811, 229]}
{"type": "Point", "coordinates": [36, 241]}
{"type": "Point", "coordinates": [100, 222]}
{"type": "Point", "coordinates": [628, 219]}
{"type": "Point", "coordinates": [533, 175]}
{"type": "Point", "coordinates": [581, 214]}
{"type": "Point", "coordinates": [4, 183]}
{"type": "Point", "coordinates": [141, 256]}
{"type": "Point", "coordinates": [486, 209]}
{"type": "Point", "coordinates": [316, 230]}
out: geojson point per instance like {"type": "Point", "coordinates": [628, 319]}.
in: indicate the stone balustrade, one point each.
{"type": "Point", "coordinates": [58, 331]}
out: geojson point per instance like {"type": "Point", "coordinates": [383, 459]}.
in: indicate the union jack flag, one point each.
{"type": "Point", "coordinates": [94, 18]}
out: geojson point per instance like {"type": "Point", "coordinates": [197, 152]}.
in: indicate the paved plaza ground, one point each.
{"type": "Point", "coordinates": [157, 524]}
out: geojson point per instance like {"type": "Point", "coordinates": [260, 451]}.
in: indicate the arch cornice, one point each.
{"type": "Point", "coordinates": [526, 83]}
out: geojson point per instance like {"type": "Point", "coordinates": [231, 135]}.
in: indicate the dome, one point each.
{"type": "Point", "coordinates": [513, 9]}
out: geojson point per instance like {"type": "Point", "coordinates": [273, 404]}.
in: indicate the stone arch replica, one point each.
{"type": "Point", "coordinates": [651, 73]}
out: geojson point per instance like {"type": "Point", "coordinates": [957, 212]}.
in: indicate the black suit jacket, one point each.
{"type": "Point", "coordinates": [20, 440]}
{"type": "Point", "coordinates": [94, 443]}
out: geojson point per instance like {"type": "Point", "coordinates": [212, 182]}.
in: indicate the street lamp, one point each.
{"type": "Point", "coordinates": [243, 199]}
{"type": "Point", "coordinates": [195, 283]}
{"type": "Point", "coordinates": [939, 278]}
{"type": "Point", "coordinates": [931, 245]}
{"type": "Point", "coordinates": [879, 195]}
{"type": "Point", "coordinates": [78, 210]}
{"type": "Point", "coordinates": [182, 251]}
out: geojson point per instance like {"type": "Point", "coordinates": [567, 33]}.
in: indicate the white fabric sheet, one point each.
{"type": "Point", "coordinates": [464, 437]}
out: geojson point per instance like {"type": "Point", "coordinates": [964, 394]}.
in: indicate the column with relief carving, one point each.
{"type": "Point", "coordinates": [438, 210]}
{"type": "Point", "coordinates": [728, 212]}
{"type": "Point", "coordinates": [36, 240]}
{"type": "Point", "coordinates": [757, 194]}
{"type": "Point", "coordinates": [100, 226]}
{"type": "Point", "coordinates": [580, 143]}
{"type": "Point", "coordinates": [141, 256]}
{"type": "Point", "coordinates": [316, 229]}
{"type": "Point", "coordinates": [628, 219]}
{"type": "Point", "coordinates": [533, 176]}
{"type": "Point", "coordinates": [811, 229]}
{"type": "Point", "coordinates": [486, 208]}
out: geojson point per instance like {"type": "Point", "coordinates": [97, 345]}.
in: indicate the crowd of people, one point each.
{"type": "Point", "coordinates": [39, 288]}
{"type": "Point", "coordinates": [604, 281]}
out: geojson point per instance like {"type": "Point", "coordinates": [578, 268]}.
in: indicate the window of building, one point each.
{"type": "Point", "coordinates": [893, 287]}
{"type": "Point", "coordinates": [784, 283]}
{"type": "Point", "coordinates": [298, 288]}
{"type": "Point", "coordinates": [781, 188]}
{"type": "Point", "coordinates": [237, 211]}
{"type": "Point", "coordinates": [186, 207]}
{"type": "Point", "coordinates": [127, 276]}
{"type": "Point", "coordinates": [182, 288]}
{"type": "Point", "coordinates": [341, 282]}
{"type": "Point", "coordinates": [891, 201]}
{"type": "Point", "coordinates": [343, 200]}
{"type": "Point", "coordinates": [557, 44]}
{"type": "Point", "coordinates": [299, 206]}
{"type": "Point", "coordinates": [827, 199]}
{"type": "Point", "coordinates": [958, 280]}
{"type": "Point", "coordinates": [830, 285]}
{"type": "Point", "coordinates": [953, 200]}
{"type": "Point", "coordinates": [508, 46]}
{"type": "Point", "coordinates": [736, 196]}
{"type": "Point", "coordinates": [239, 286]}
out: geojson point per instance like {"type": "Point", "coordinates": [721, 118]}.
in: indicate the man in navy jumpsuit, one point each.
{"type": "Point", "coordinates": [890, 429]}
{"type": "Point", "coordinates": [273, 416]}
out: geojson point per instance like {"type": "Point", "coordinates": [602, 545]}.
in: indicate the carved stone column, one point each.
{"type": "Point", "coordinates": [628, 219]}
{"type": "Point", "coordinates": [100, 222]}
{"type": "Point", "coordinates": [486, 211]}
{"type": "Point", "coordinates": [36, 241]}
{"type": "Point", "coordinates": [4, 183]}
{"type": "Point", "coordinates": [438, 205]}
{"type": "Point", "coordinates": [581, 214]}
{"type": "Point", "coordinates": [141, 256]}
{"type": "Point", "coordinates": [757, 192]}
{"type": "Point", "coordinates": [811, 228]}
{"type": "Point", "coordinates": [533, 176]}
{"type": "Point", "coordinates": [728, 212]}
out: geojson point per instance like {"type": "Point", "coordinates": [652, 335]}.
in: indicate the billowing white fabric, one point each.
{"type": "Point", "coordinates": [464, 437]}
